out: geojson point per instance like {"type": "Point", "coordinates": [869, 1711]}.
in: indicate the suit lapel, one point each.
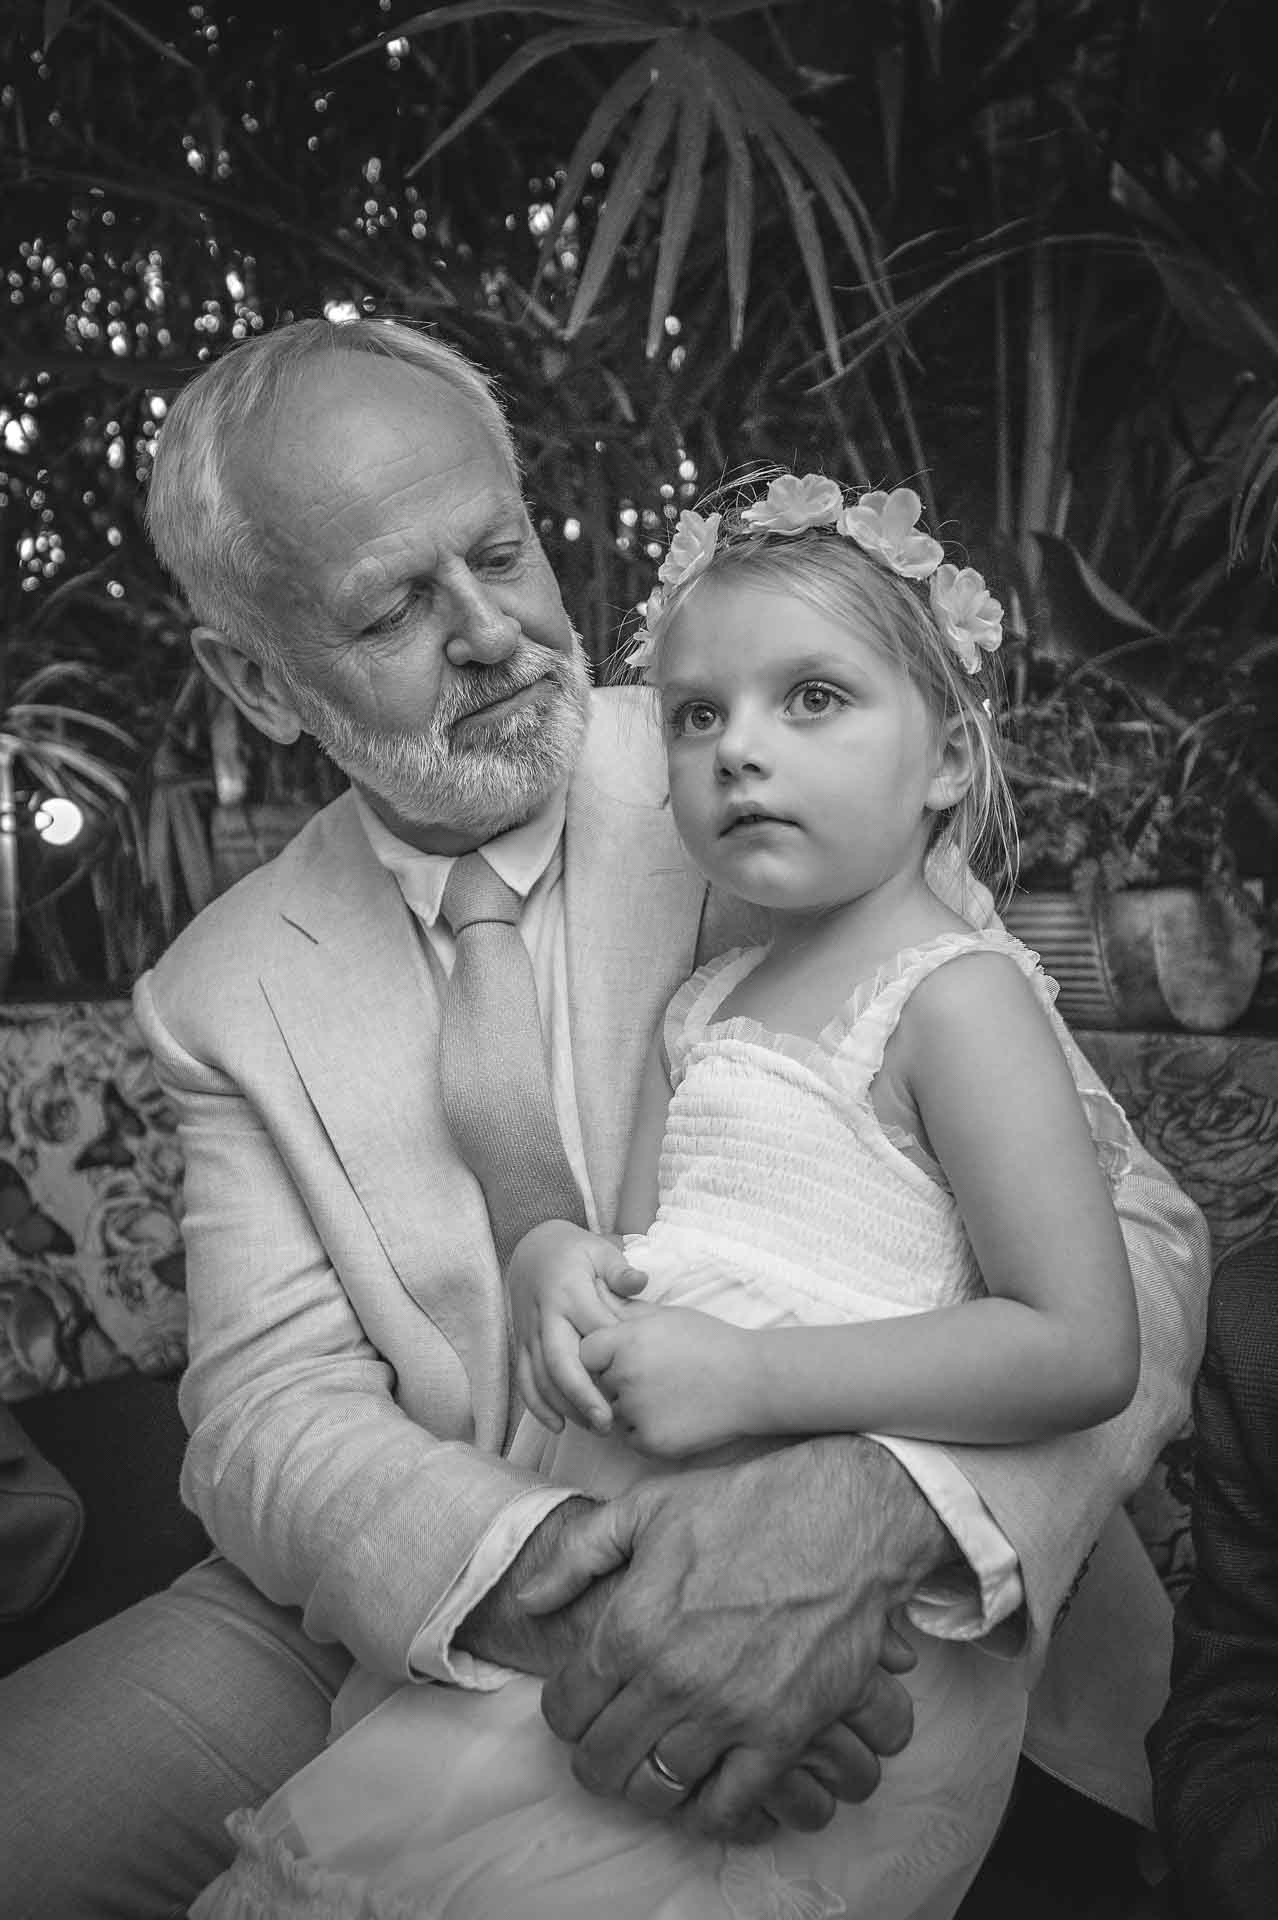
{"type": "Point", "coordinates": [632, 907]}
{"type": "Point", "coordinates": [358, 951]}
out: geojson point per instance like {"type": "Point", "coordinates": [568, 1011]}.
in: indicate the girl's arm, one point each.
{"type": "Point", "coordinates": [1056, 1345]}
{"type": "Point", "coordinates": [637, 1205]}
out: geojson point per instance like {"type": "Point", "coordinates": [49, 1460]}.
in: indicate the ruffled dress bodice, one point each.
{"type": "Point", "coordinates": [782, 1195]}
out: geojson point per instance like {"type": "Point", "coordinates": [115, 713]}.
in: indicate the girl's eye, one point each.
{"type": "Point", "coordinates": [694, 716]}
{"type": "Point", "coordinates": [815, 699]}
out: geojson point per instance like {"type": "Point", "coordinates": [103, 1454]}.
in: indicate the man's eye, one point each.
{"type": "Point", "coordinates": [500, 559]}
{"type": "Point", "coordinates": [398, 617]}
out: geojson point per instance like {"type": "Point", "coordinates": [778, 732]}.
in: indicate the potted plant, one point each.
{"type": "Point", "coordinates": [1148, 816]}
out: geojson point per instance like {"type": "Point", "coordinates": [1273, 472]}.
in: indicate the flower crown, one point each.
{"type": "Point", "coordinates": [886, 525]}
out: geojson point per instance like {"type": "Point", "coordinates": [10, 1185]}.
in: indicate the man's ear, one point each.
{"type": "Point", "coordinates": [955, 769]}
{"type": "Point", "coordinates": [259, 691]}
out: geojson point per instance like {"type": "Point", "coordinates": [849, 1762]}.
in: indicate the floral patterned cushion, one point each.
{"type": "Point", "coordinates": [91, 1265]}
{"type": "Point", "coordinates": [1206, 1105]}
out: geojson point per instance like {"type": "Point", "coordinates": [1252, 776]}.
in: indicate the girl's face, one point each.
{"type": "Point", "coordinates": [804, 763]}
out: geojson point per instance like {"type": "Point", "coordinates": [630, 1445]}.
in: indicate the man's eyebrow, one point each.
{"type": "Point", "coordinates": [370, 581]}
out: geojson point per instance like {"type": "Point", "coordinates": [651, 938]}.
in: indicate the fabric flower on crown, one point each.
{"type": "Point", "coordinates": [886, 524]}
{"type": "Point", "coordinates": [793, 503]}
{"type": "Point", "coordinates": [644, 651]}
{"type": "Point", "coordinates": [968, 615]}
{"type": "Point", "coordinates": [691, 550]}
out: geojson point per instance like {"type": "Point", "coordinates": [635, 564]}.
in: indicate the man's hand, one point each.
{"type": "Point", "coordinates": [678, 1381]}
{"type": "Point", "coordinates": [745, 1633]}
{"type": "Point", "coordinates": [503, 1630]}
{"type": "Point", "coordinates": [564, 1283]}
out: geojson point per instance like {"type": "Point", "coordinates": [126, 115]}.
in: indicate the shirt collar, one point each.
{"type": "Point", "coordinates": [520, 856]}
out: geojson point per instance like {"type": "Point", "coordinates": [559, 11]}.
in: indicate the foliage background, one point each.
{"type": "Point", "coordinates": [1068, 342]}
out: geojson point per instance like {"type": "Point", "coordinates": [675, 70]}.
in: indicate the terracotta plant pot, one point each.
{"type": "Point", "coordinates": [1144, 957]}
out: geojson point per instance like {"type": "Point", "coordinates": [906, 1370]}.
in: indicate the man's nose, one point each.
{"type": "Point", "coordinates": [480, 631]}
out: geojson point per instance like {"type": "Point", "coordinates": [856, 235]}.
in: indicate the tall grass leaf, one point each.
{"type": "Point", "coordinates": [765, 107]}
{"type": "Point", "coordinates": [809, 243]}
{"type": "Point", "coordinates": [623, 94]}
{"type": "Point", "coordinates": [148, 39]}
{"type": "Point", "coordinates": [585, 12]}
{"type": "Point", "coordinates": [520, 64]}
{"type": "Point", "coordinates": [24, 712]}
{"type": "Point", "coordinates": [630, 183]}
{"type": "Point", "coordinates": [191, 846]}
{"type": "Point", "coordinates": [738, 208]}
{"type": "Point", "coordinates": [683, 196]}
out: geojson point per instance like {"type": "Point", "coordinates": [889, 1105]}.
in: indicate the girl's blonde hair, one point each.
{"type": "Point", "coordinates": [854, 589]}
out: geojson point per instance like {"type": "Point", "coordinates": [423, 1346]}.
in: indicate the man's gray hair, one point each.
{"type": "Point", "coordinates": [217, 556]}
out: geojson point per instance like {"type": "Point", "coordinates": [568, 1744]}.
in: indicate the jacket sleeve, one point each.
{"type": "Point", "coordinates": [303, 1468]}
{"type": "Point", "coordinates": [1214, 1750]}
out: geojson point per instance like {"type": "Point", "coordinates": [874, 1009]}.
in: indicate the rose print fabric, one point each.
{"type": "Point", "coordinates": [92, 1277]}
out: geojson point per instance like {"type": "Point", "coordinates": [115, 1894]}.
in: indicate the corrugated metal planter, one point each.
{"type": "Point", "coordinates": [1145, 957]}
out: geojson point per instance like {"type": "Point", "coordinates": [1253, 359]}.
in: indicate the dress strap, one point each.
{"type": "Point", "coordinates": [858, 1036]}
{"type": "Point", "coordinates": [695, 1003]}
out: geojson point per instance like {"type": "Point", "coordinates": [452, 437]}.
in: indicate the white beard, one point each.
{"type": "Point", "coordinates": [483, 780]}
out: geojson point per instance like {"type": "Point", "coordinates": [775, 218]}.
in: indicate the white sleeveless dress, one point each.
{"type": "Point", "coordinates": [782, 1201]}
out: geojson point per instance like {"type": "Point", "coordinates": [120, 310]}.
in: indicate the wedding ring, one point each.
{"type": "Point", "coordinates": [666, 1777]}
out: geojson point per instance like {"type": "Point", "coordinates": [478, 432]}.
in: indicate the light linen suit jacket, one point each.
{"type": "Point", "coordinates": [347, 1395]}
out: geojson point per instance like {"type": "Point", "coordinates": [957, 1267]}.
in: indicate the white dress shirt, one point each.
{"type": "Point", "coordinates": [529, 859]}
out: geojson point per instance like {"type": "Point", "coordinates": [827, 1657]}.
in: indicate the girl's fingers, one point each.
{"type": "Point", "coordinates": [618, 1275]}
{"type": "Point", "coordinates": [598, 1350]}
{"type": "Point", "coordinates": [561, 1352]}
{"type": "Point", "coordinates": [531, 1395]}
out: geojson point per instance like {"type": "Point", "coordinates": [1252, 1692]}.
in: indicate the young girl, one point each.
{"type": "Point", "coordinates": [863, 1194]}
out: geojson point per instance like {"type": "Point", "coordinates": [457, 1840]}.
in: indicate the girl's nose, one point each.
{"type": "Point", "coordinates": [739, 752]}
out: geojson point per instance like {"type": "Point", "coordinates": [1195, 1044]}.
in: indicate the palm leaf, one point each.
{"type": "Point", "coordinates": [809, 242]}
{"type": "Point", "coordinates": [62, 756]}
{"type": "Point", "coordinates": [730, 9]}
{"type": "Point", "coordinates": [1259, 471]}
{"type": "Point", "coordinates": [191, 846]}
{"type": "Point", "coordinates": [739, 209]}
{"type": "Point", "coordinates": [683, 196]}
{"type": "Point", "coordinates": [519, 65]}
{"type": "Point", "coordinates": [702, 79]}
{"type": "Point", "coordinates": [56, 15]}
{"type": "Point", "coordinates": [587, 13]}
{"type": "Point", "coordinates": [763, 106]}
{"type": "Point", "coordinates": [625, 198]}
{"type": "Point", "coordinates": [148, 39]}
{"type": "Point", "coordinates": [621, 96]}
{"type": "Point", "coordinates": [23, 713]}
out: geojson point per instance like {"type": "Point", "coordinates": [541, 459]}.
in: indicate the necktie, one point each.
{"type": "Point", "coordinates": [493, 1078]}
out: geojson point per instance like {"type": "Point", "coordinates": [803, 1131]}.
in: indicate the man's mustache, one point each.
{"type": "Point", "coordinates": [485, 684]}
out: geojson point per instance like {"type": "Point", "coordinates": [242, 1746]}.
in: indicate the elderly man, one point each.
{"type": "Point", "coordinates": [342, 508]}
